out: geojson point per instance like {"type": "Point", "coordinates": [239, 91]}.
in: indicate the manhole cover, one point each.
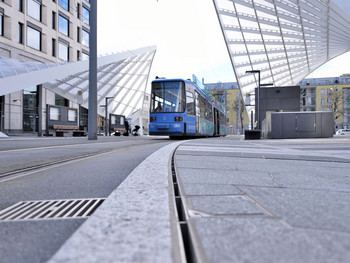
{"type": "Point", "coordinates": [51, 209]}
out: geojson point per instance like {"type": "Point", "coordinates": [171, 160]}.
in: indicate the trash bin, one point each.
{"type": "Point", "coordinates": [252, 134]}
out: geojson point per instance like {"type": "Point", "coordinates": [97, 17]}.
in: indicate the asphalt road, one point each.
{"type": "Point", "coordinates": [57, 169]}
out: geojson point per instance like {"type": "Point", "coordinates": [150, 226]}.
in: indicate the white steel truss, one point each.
{"type": "Point", "coordinates": [123, 81]}
{"type": "Point", "coordinates": [285, 39]}
{"type": "Point", "coordinates": [121, 77]}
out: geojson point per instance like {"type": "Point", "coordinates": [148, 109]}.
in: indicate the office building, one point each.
{"type": "Point", "coordinates": [327, 94]}
{"type": "Point", "coordinates": [39, 31]}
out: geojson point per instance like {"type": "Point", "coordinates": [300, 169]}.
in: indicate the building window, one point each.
{"type": "Point", "coordinates": [85, 55]}
{"type": "Point", "coordinates": [53, 20]}
{"type": "Point", "coordinates": [72, 115]}
{"type": "Point", "coordinates": [20, 33]}
{"type": "Point", "coordinates": [34, 9]}
{"type": "Point", "coordinates": [64, 4]}
{"type": "Point", "coordinates": [30, 109]}
{"type": "Point", "coordinates": [78, 10]}
{"type": "Point", "coordinates": [20, 5]}
{"type": "Point", "coordinates": [86, 15]}
{"type": "Point", "coordinates": [323, 93]}
{"type": "Point", "coordinates": [61, 101]}
{"type": "Point", "coordinates": [85, 38]}
{"type": "Point", "coordinates": [78, 34]}
{"type": "Point", "coordinates": [63, 51]}
{"type": "Point", "coordinates": [63, 25]}
{"type": "Point", "coordinates": [78, 55]}
{"type": "Point", "coordinates": [33, 38]}
{"type": "Point", "coordinates": [54, 113]}
{"type": "Point", "coordinates": [1, 23]}
{"type": "Point", "coordinates": [54, 47]}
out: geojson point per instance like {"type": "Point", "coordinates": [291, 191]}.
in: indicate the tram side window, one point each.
{"type": "Point", "coordinates": [222, 118]}
{"type": "Point", "coordinates": [209, 112]}
{"type": "Point", "coordinates": [190, 103]}
{"type": "Point", "coordinates": [206, 109]}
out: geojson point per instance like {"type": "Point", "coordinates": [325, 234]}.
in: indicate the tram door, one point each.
{"type": "Point", "coordinates": [198, 114]}
{"type": "Point", "coordinates": [216, 122]}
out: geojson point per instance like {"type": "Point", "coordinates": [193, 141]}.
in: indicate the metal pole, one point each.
{"type": "Point", "coordinates": [106, 120]}
{"type": "Point", "coordinates": [251, 120]}
{"type": "Point", "coordinates": [92, 125]}
{"type": "Point", "coordinates": [259, 101]}
{"type": "Point", "coordinates": [40, 110]}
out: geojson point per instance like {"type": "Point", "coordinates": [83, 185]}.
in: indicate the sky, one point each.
{"type": "Point", "coordinates": [187, 34]}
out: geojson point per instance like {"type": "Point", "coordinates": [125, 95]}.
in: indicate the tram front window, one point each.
{"type": "Point", "coordinates": [168, 96]}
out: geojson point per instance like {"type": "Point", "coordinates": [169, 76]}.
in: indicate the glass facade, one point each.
{"type": "Point", "coordinates": [63, 25]}
{"type": "Point", "coordinates": [61, 101]}
{"type": "Point", "coordinates": [85, 37]}
{"type": "Point", "coordinates": [83, 116]}
{"type": "Point", "coordinates": [84, 56]}
{"type": "Point", "coordinates": [30, 109]}
{"type": "Point", "coordinates": [64, 4]}
{"type": "Point", "coordinates": [63, 51]}
{"type": "Point", "coordinates": [33, 38]}
{"type": "Point", "coordinates": [86, 15]}
{"type": "Point", "coordinates": [34, 9]}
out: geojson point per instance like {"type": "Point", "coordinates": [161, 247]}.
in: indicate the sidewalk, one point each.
{"type": "Point", "coordinates": [237, 201]}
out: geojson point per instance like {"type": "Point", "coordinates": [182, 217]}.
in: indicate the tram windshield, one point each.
{"type": "Point", "coordinates": [168, 96]}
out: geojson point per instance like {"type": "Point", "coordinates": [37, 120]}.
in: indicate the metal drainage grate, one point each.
{"type": "Point", "coordinates": [51, 209]}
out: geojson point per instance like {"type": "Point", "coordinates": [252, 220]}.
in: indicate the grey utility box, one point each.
{"type": "Point", "coordinates": [287, 125]}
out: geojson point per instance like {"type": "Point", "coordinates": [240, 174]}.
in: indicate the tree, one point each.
{"type": "Point", "coordinates": [239, 107]}
{"type": "Point", "coordinates": [334, 102]}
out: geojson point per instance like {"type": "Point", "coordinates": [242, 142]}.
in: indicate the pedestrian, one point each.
{"type": "Point", "coordinates": [127, 128]}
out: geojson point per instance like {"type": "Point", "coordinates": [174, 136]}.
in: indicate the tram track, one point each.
{"type": "Point", "coordinates": [46, 165]}
{"type": "Point", "coordinates": [23, 171]}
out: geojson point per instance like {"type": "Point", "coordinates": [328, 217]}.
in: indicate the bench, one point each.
{"type": "Point", "coordinates": [118, 131]}
{"type": "Point", "coordinates": [61, 129]}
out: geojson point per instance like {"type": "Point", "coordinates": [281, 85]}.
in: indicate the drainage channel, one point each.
{"type": "Point", "coordinates": [187, 244]}
{"type": "Point", "coordinates": [51, 209]}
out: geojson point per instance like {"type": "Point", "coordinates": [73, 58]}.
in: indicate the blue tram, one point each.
{"type": "Point", "coordinates": [179, 108]}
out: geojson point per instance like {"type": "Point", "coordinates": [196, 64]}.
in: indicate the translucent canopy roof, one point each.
{"type": "Point", "coordinates": [122, 77]}
{"type": "Point", "coordinates": [285, 39]}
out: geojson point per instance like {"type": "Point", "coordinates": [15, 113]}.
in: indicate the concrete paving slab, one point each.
{"type": "Point", "coordinates": [279, 173]}
{"type": "Point", "coordinates": [302, 196]}
{"type": "Point", "coordinates": [262, 240]}
{"type": "Point", "coordinates": [223, 205]}
{"type": "Point", "coordinates": [304, 208]}
{"type": "Point", "coordinates": [210, 189]}
{"type": "Point", "coordinates": [217, 176]}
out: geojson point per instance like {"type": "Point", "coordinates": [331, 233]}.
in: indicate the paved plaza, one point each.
{"type": "Point", "coordinates": [242, 201]}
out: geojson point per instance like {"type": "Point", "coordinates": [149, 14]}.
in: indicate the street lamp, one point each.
{"type": "Point", "coordinates": [258, 100]}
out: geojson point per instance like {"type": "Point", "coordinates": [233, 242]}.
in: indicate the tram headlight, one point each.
{"type": "Point", "coordinates": [153, 119]}
{"type": "Point", "coordinates": [178, 119]}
